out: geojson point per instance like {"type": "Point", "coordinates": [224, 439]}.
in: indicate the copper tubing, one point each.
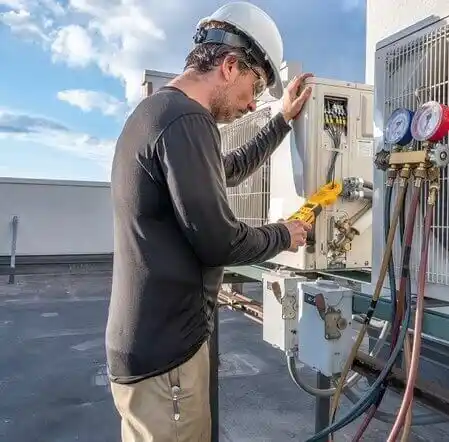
{"type": "Point", "coordinates": [376, 295]}
{"type": "Point", "coordinates": [408, 395]}
{"type": "Point", "coordinates": [408, 363]}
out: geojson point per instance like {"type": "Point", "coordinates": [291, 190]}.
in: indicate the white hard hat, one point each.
{"type": "Point", "coordinates": [259, 27]}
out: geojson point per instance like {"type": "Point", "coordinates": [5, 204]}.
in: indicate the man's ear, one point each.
{"type": "Point", "coordinates": [229, 68]}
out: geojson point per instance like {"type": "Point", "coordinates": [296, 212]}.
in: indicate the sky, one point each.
{"type": "Point", "coordinates": [71, 70]}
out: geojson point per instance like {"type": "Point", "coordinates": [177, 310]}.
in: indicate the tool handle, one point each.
{"type": "Point", "coordinates": [307, 213]}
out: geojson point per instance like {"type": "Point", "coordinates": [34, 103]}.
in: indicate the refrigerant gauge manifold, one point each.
{"type": "Point", "coordinates": [431, 122]}
{"type": "Point", "coordinates": [397, 129]}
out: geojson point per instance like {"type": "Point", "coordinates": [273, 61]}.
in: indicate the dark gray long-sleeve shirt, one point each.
{"type": "Point", "coordinates": [174, 231]}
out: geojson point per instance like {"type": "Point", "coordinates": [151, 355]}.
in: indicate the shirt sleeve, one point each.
{"type": "Point", "coordinates": [245, 160]}
{"type": "Point", "coordinates": [190, 158]}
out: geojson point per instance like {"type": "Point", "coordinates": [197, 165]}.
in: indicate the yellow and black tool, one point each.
{"type": "Point", "coordinates": [325, 196]}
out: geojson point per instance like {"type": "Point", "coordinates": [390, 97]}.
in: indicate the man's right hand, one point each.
{"type": "Point", "coordinates": [298, 233]}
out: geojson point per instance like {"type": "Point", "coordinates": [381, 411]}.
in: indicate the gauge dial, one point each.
{"type": "Point", "coordinates": [397, 130]}
{"type": "Point", "coordinates": [431, 122]}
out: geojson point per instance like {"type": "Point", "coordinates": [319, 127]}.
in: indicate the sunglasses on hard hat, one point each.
{"type": "Point", "coordinates": [259, 85]}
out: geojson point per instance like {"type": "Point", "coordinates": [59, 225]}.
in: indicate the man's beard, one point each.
{"type": "Point", "coordinates": [221, 108]}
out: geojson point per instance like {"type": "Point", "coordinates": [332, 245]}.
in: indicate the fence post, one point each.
{"type": "Point", "coordinates": [12, 265]}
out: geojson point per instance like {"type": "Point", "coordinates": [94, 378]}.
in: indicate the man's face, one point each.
{"type": "Point", "coordinates": [237, 92]}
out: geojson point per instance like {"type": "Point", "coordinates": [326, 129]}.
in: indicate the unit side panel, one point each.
{"type": "Point", "coordinates": [359, 163]}
{"type": "Point", "coordinates": [293, 167]}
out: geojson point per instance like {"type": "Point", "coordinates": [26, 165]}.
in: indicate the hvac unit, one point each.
{"type": "Point", "coordinates": [331, 140]}
{"type": "Point", "coordinates": [411, 78]}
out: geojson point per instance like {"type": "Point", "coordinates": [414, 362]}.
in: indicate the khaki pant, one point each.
{"type": "Point", "coordinates": [173, 407]}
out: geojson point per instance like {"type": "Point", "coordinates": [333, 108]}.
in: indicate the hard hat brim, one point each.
{"type": "Point", "coordinates": [277, 89]}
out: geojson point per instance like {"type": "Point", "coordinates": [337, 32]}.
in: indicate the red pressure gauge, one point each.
{"type": "Point", "coordinates": [430, 122]}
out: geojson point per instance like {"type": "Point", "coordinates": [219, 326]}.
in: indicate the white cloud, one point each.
{"type": "Point", "coordinates": [73, 45]}
{"type": "Point", "coordinates": [91, 100]}
{"type": "Point", "coordinates": [124, 37]}
{"type": "Point", "coordinates": [37, 129]}
{"type": "Point", "coordinates": [121, 37]}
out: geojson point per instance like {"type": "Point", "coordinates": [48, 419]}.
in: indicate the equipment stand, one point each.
{"type": "Point", "coordinates": [322, 406]}
{"type": "Point", "coordinates": [213, 386]}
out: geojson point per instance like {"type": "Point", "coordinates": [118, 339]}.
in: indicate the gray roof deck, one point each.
{"type": "Point", "coordinates": [52, 374]}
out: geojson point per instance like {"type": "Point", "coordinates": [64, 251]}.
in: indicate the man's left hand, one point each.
{"type": "Point", "coordinates": [295, 96]}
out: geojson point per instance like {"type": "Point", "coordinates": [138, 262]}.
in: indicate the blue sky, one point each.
{"type": "Point", "coordinates": [70, 70]}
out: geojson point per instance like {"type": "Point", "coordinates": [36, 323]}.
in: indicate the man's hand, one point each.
{"type": "Point", "coordinates": [294, 97]}
{"type": "Point", "coordinates": [298, 233]}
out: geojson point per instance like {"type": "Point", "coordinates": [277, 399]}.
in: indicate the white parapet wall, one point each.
{"type": "Point", "coordinates": [56, 217]}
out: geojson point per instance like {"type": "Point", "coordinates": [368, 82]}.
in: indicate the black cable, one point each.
{"type": "Point", "coordinates": [331, 170]}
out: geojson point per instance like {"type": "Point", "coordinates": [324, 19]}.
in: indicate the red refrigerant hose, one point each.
{"type": "Point", "coordinates": [414, 363]}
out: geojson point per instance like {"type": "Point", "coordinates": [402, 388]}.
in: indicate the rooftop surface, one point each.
{"type": "Point", "coordinates": [53, 386]}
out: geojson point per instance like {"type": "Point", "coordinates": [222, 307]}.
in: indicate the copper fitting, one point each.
{"type": "Point", "coordinates": [404, 174]}
{"type": "Point", "coordinates": [433, 174]}
{"type": "Point", "coordinates": [434, 187]}
{"type": "Point", "coordinates": [391, 175]}
{"type": "Point", "coordinates": [420, 174]}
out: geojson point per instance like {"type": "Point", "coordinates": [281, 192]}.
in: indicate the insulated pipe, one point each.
{"type": "Point", "coordinates": [364, 222]}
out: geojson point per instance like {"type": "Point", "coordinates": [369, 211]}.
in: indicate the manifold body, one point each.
{"type": "Point", "coordinates": [300, 165]}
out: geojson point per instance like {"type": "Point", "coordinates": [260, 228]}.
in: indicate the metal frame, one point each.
{"type": "Point", "coordinates": [435, 328]}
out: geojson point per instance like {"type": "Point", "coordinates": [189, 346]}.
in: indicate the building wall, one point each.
{"type": "Point", "coordinates": [56, 217]}
{"type": "Point", "coordinates": [386, 17]}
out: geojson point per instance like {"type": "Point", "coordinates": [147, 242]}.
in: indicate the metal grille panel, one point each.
{"type": "Point", "coordinates": [250, 200]}
{"type": "Point", "coordinates": [417, 72]}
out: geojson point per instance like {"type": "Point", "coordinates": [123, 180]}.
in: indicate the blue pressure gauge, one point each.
{"type": "Point", "coordinates": [397, 129]}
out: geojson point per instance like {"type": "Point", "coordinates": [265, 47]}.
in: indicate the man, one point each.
{"type": "Point", "coordinates": [174, 231]}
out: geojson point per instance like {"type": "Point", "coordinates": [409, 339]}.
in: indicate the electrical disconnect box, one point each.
{"type": "Point", "coordinates": [280, 307]}
{"type": "Point", "coordinates": [324, 328]}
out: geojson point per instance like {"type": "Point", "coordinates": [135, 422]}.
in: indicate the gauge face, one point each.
{"type": "Point", "coordinates": [427, 121]}
{"type": "Point", "coordinates": [397, 129]}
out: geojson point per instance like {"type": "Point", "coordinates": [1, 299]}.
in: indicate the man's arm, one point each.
{"type": "Point", "coordinates": [245, 160]}
{"type": "Point", "coordinates": [189, 154]}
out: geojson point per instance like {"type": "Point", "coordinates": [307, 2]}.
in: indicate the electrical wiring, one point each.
{"type": "Point", "coordinates": [375, 297]}
{"type": "Point", "coordinates": [335, 125]}
{"type": "Point", "coordinates": [408, 395]}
